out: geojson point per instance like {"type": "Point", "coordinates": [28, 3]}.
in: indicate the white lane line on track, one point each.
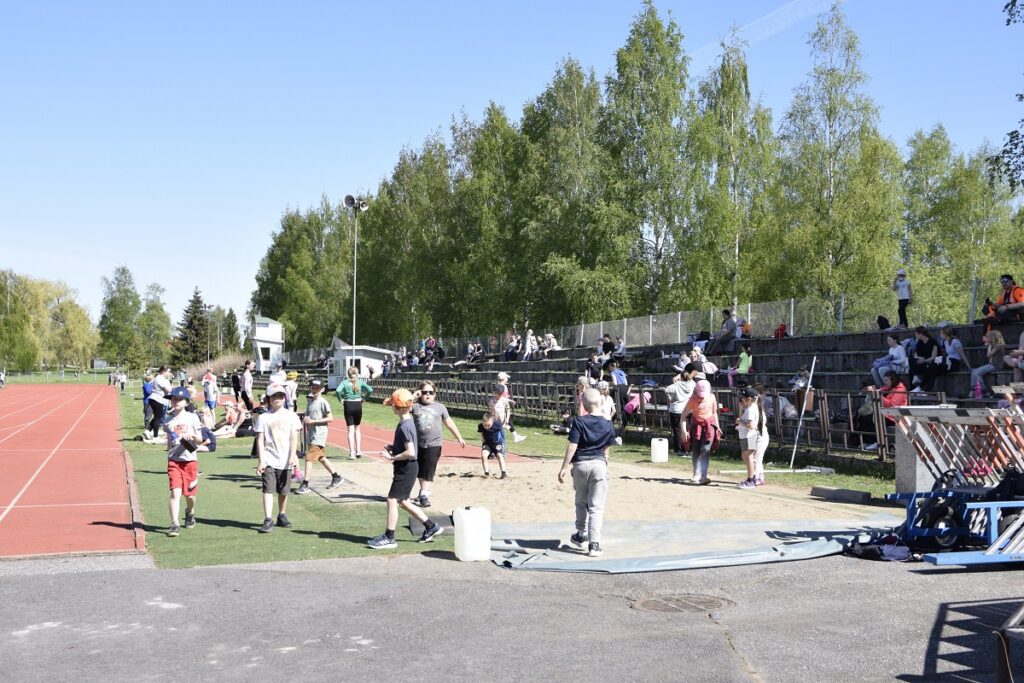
{"type": "Point", "coordinates": [115, 449]}
{"type": "Point", "coordinates": [68, 505]}
{"type": "Point", "coordinates": [29, 424]}
{"type": "Point", "coordinates": [4, 414]}
{"type": "Point", "coordinates": [24, 488]}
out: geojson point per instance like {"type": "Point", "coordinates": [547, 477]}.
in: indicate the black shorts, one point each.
{"type": "Point", "coordinates": [404, 479]}
{"type": "Point", "coordinates": [353, 412]}
{"type": "Point", "coordinates": [428, 457]}
{"type": "Point", "coordinates": [277, 481]}
{"type": "Point", "coordinates": [493, 449]}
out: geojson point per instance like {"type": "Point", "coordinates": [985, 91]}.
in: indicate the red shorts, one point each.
{"type": "Point", "coordinates": [184, 476]}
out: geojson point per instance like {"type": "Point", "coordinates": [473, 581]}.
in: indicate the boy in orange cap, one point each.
{"type": "Point", "coordinates": [402, 454]}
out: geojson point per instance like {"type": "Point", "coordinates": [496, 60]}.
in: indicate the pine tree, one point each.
{"type": "Point", "coordinates": [191, 345]}
{"type": "Point", "coordinates": [230, 342]}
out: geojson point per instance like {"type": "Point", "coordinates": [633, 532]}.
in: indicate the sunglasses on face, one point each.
{"type": "Point", "coordinates": [427, 392]}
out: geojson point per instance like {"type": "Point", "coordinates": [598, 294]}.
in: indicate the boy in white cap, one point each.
{"type": "Point", "coordinates": [277, 438]}
{"type": "Point", "coordinates": [506, 410]}
{"type": "Point", "coordinates": [904, 293]}
{"type": "Point", "coordinates": [183, 429]}
{"type": "Point", "coordinates": [402, 454]}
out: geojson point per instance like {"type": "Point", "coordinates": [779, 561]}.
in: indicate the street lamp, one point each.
{"type": "Point", "coordinates": [357, 205]}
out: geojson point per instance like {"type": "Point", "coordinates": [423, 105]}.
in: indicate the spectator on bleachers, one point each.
{"type": "Point", "coordinates": [904, 295]}
{"type": "Point", "coordinates": [950, 359]}
{"type": "Point", "coordinates": [743, 365]}
{"type": "Point", "coordinates": [594, 369]}
{"type": "Point", "coordinates": [529, 345]}
{"type": "Point", "coordinates": [895, 359]}
{"type": "Point", "coordinates": [606, 349]}
{"type": "Point", "coordinates": [511, 348]}
{"type": "Point", "coordinates": [894, 395]}
{"type": "Point", "coordinates": [995, 346]}
{"type": "Point", "coordinates": [864, 418]}
{"type": "Point", "coordinates": [678, 394]}
{"type": "Point", "coordinates": [550, 344]}
{"type": "Point", "coordinates": [785, 408]}
{"type": "Point", "coordinates": [1009, 305]}
{"type": "Point", "coordinates": [780, 332]}
{"type": "Point", "coordinates": [926, 350]}
{"type": "Point", "coordinates": [620, 348]}
{"type": "Point", "coordinates": [726, 337]}
{"type": "Point", "coordinates": [1015, 360]}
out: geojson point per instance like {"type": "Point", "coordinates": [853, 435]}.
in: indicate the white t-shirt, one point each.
{"type": "Point", "coordinates": [184, 425]}
{"type": "Point", "coordinates": [161, 387]}
{"type": "Point", "coordinates": [247, 383]}
{"type": "Point", "coordinates": [607, 408]}
{"type": "Point", "coordinates": [751, 414]}
{"type": "Point", "coordinates": [903, 289]}
{"type": "Point", "coordinates": [280, 430]}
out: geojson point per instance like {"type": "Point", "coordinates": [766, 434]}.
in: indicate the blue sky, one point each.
{"type": "Point", "coordinates": [171, 136]}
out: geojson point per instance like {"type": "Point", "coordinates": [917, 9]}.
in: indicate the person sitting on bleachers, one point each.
{"type": "Point", "coordinates": [726, 338]}
{"type": "Point", "coordinates": [1015, 359]}
{"type": "Point", "coordinates": [895, 359]}
{"type": "Point", "coordinates": [894, 395]}
{"type": "Point", "coordinates": [780, 332]}
{"type": "Point", "coordinates": [1009, 305]}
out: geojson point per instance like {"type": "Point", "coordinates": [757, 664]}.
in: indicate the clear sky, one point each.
{"type": "Point", "coordinates": [171, 136]}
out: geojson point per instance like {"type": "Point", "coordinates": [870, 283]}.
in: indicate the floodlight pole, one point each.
{"type": "Point", "coordinates": [358, 205]}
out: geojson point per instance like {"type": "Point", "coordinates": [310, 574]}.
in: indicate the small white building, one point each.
{"type": "Point", "coordinates": [366, 358]}
{"type": "Point", "coordinates": [267, 343]}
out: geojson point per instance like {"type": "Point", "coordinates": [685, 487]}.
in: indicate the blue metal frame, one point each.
{"type": "Point", "coordinates": [972, 557]}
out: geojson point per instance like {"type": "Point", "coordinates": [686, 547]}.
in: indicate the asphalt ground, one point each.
{"type": "Point", "coordinates": [427, 618]}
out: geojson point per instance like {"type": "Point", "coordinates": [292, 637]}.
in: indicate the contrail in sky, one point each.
{"type": "Point", "coordinates": [764, 27]}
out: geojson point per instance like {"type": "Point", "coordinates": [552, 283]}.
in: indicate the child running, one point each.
{"type": "Point", "coordinates": [493, 445]}
{"type": "Point", "coordinates": [277, 438]}
{"type": "Point", "coordinates": [183, 430]}
{"type": "Point", "coordinates": [402, 454]}
{"type": "Point", "coordinates": [318, 416]}
{"type": "Point", "coordinates": [590, 437]}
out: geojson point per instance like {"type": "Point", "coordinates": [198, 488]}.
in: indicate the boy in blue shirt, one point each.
{"type": "Point", "coordinates": [494, 443]}
{"type": "Point", "coordinates": [590, 437]}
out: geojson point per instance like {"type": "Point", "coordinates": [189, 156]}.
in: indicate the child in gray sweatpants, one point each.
{"type": "Point", "coordinates": [590, 437]}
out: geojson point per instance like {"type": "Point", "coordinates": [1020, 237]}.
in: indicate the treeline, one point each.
{"type": "Point", "coordinates": [135, 331]}
{"type": "Point", "coordinates": [42, 324]}
{"type": "Point", "coordinates": [648, 192]}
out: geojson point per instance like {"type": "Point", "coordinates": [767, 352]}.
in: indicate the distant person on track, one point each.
{"type": "Point", "coordinates": [428, 415]}
{"type": "Point", "coordinates": [590, 438]}
{"type": "Point", "coordinates": [247, 384]}
{"type": "Point", "coordinates": [352, 392]}
{"type": "Point", "coordinates": [402, 454]}
{"type": "Point", "coordinates": [210, 390]}
{"type": "Point", "coordinates": [184, 431]}
{"type": "Point", "coordinates": [147, 390]}
{"type": "Point", "coordinates": [291, 386]}
{"type": "Point", "coordinates": [316, 420]}
{"type": "Point", "coordinates": [277, 439]}
{"type": "Point", "coordinates": [236, 386]}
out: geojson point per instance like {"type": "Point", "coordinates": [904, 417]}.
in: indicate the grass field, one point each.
{"type": "Point", "coordinates": [58, 377]}
{"type": "Point", "coordinates": [229, 510]}
{"type": "Point", "coordinates": [229, 503]}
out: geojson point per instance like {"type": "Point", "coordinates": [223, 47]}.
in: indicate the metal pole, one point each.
{"type": "Point", "coordinates": [803, 407]}
{"type": "Point", "coordinates": [650, 330]}
{"type": "Point", "coordinates": [974, 301]}
{"type": "Point", "coordinates": [842, 312]}
{"type": "Point", "coordinates": [355, 251]}
{"type": "Point", "coordinates": [679, 327]}
{"type": "Point", "coordinates": [792, 326]}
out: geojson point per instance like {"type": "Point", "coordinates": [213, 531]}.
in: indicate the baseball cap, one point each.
{"type": "Point", "coordinates": [180, 392]}
{"type": "Point", "coordinates": [749, 392]}
{"type": "Point", "coordinates": [400, 398]}
{"type": "Point", "coordinates": [292, 374]}
{"type": "Point", "coordinates": [702, 389]}
{"type": "Point", "coordinates": [316, 383]}
{"type": "Point", "coordinates": [901, 272]}
{"type": "Point", "coordinates": [503, 375]}
{"type": "Point", "coordinates": [275, 389]}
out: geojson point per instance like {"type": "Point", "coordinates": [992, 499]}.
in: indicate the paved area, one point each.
{"type": "Point", "coordinates": [431, 618]}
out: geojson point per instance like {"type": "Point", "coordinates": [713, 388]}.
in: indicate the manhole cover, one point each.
{"type": "Point", "coordinates": [680, 603]}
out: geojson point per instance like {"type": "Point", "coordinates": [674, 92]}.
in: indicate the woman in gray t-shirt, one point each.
{"type": "Point", "coordinates": [429, 415]}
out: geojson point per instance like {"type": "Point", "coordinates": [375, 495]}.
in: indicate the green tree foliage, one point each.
{"type": "Point", "coordinates": [841, 206]}
{"type": "Point", "coordinates": [154, 326]}
{"type": "Point", "coordinates": [230, 339]}
{"type": "Point", "coordinates": [646, 119]}
{"type": "Point", "coordinates": [192, 342]}
{"type": "Point", "coordinates": [119, 334]}
{"type": "Point", "coordinates": [1008, 164]}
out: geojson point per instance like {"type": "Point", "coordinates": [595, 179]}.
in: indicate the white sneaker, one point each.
{"type": "Point", "coordinates": [871, 447]}
{"type": "Point", "coordinates": [618, 441]}
{"type": "Point", "coordinates": [518, 437]}
{"type": "Point", "coordinates": [917, 390]}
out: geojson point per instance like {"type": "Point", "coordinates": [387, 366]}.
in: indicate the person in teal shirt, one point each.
{"type": "Point", "coordinates": [352, 392]}
{"type": "Point", "coordinates": [743, 366]}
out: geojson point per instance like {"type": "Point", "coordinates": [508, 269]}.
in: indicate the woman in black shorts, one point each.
{"type": "Point", "coordinates": [352, 392]}
{"type": "Point", "coordinates": [429, 415]}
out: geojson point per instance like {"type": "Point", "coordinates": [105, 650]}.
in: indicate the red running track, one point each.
{"type": "Point", "coordinates": [63, 480]}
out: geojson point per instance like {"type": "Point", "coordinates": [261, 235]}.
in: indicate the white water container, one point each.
{"type": "Point", "coordinates": [472, 534]}
{"type": "Point", "coordinates": [659, 450]}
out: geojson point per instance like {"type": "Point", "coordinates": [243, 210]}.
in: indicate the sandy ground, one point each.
{"type": "Point", "coordinates": [636, 492]}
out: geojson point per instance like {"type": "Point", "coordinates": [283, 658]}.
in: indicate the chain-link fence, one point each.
{"type": "Point", "coordinates": [813, 315]}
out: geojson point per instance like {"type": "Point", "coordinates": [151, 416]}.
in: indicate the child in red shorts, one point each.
{"type": "Point", "coordinates": [183, 430]}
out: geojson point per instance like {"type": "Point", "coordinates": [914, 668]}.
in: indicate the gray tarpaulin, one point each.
{"type": "Point", "coordinates": [684, 544]}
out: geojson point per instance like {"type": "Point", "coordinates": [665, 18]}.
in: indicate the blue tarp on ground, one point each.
{"type": "Point", "coordinates": [684, 544]}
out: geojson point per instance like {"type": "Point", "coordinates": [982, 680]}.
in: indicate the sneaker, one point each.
{"type": "Point", "coordinates": [382, 542]}
{"type": "Point", "coordinates": [282, 521]}
{"type": "Point", "coordinates": [578, 539]}
{"type": "Point", "coordinates": [518, 437]}
{"type": "Point", "coordinates": [759, 481]}
{"type": "Point", "coordinates": [871, 447]}
{"type": "Point", "coordinates": [423, 502]}
{"type": "Point", "coordinates": [268, 525]}
{"type": "Point", "coordinates": [917, 390]}
{"type": "Point", "coordinates": [190, 521]}
{"type": "Point", "coordinates": [303, 489]}
{"type": "Point", "coordinates": [336, 481]}
{"type": "Point", "coordinates": [747, 484]}
{"type": "Point", "coordinates": [704, 482]}
{"type": "Point", "coordinates": [174, 530]}
{"type": "Point", "coordinates": [594, 549]}
{"type": "Point", "coordinates": [428, 534]}
{"type": "Point", "coordinates": [359, 455]}
{"type": "Point", "coordinates": [352, 456]}
{"type": "Point", "coordinates": [504, 475]}
{"type": "Point", "coordinates": [618, 441]}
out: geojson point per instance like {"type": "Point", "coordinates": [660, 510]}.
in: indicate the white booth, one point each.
{"type": "Point", "coordinates": [267, 343]}
{"type": "Point", "coordinates": [367, 358]}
